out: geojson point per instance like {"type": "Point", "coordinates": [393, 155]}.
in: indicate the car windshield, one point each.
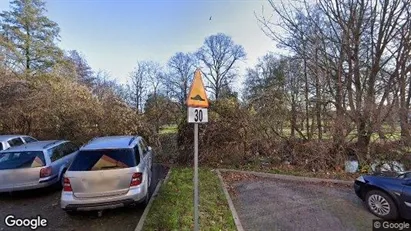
{"type": "Point", "coordinates": [26, 159]}
{"type": "Point", "coordinates": [103, 159]}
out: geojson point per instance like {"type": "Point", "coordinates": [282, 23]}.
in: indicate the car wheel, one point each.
{"type": "Point", "coordinates": [381, 205]}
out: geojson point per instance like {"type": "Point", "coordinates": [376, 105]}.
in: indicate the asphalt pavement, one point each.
{"type": "Point", "coordinates": [45, 202]}
{"type": "Point", "coordinates": [272, 204]}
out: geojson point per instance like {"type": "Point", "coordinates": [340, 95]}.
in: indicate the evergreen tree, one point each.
{"type": "Point", "coordinates": [30, 37]}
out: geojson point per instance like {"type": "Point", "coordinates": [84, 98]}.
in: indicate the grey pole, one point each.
{"type": "Point", "coordinates": [196, 225]}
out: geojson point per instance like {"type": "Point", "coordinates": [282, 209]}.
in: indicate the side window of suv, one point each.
{"type": "Point", "coordinates": [137, 154]}
{"type": "Point", "coordinates": [69, 148]}
{"type": "Point", "coordinates": [15, 142]}
{"type": "Point", "coordinates": [143, 147]}
{"type": "Point", "coordinates": [29, 139]}
{"type": "Point", "coordinates": [57, 152]}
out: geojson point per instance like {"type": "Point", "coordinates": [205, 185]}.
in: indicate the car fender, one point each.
{"type": "Point", "coordinates": [62, 169]}
{"type": "Point", "coordinates": [394, 193]}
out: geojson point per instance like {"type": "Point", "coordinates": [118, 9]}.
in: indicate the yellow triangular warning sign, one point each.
{"type": "Point", "coordinates": [197, 96]}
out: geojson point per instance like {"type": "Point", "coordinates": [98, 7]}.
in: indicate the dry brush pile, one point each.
{"type": "Point", "coordinates": [235, 136]}
{"type": "Point", "coordinates": [53, 107]}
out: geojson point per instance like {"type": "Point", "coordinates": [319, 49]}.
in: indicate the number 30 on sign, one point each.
{"type": "Point", "coordinates": [197, 115]}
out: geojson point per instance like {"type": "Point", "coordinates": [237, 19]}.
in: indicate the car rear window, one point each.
{"type": "Point", "coordinates": [95, 160]}
{"type": "Point", "coordinates": [26, 159]}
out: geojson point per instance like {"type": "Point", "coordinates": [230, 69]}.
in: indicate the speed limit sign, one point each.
{"type": "Point", "coordinates": [197, 115]}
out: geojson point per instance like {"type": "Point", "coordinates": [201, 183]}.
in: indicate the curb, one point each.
{"type": "Point", "coordinates": [230, 203]}
{"type": "Point", "coordinates": [140, 224]}
{"type": "Point", "coordinates": [290, 177]}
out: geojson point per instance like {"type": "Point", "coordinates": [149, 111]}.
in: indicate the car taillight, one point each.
{"type": "Point", "coordinates": [45, 172]}
{"type": "Point", "coordinates": [67, 185]}
{"type": "Point", "coordinates": [136, 179]}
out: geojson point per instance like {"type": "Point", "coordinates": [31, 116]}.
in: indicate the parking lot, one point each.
{"type": "Point", "coordinates": [46, 204]}
{"type": "Point", "coordinates": [272, 204]}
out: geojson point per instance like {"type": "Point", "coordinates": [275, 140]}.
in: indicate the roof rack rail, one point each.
{"type": "Point", "coordinates": [51, 144]}
{"type": "Point", "coordinates": [131, 140]}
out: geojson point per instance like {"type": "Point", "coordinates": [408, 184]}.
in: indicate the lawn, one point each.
{"type": "Point", "coordinates": [168, 129]}
{"type": "Point", "coordinates": [173, 207]}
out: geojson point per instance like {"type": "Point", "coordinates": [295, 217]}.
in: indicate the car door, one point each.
{"type": "Point", "coordinates": [56, 155]}
{"type": "Point", "coordinates": [405, 204]}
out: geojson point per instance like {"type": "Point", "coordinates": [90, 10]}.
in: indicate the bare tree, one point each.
{"type": "Point", "coordinates": [181, 71]}
{"type": "Point", "coordinates": [353, 51]}
{"type": "Point", "coordinates": [219, 54]}
{"type": "Point", "coordinates": [138, 86]}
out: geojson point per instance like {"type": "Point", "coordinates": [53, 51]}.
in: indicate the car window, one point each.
{"type": "Point", "coordinates": [137, 153]}
{"type": "Point", "coordinates": [56, 153]}
{"type": "Point", "coordinates": [29, 139]}
{"type": "Point", "coordinates": [1, 146]}
{"type": "Point", "coordinates": [25, 159]}
{"type": "Point", "coordinates": [143, 147]}
{"type": "Point", "coordinates": [95, 160]}
{"type": "Point", "coordinates": [15, 142]}
{"type": "Point", "coordinates": [69, 148]}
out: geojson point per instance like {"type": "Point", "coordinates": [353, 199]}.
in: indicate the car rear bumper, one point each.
{"type": "Point", "coordinates": [70, 202]}
{"type": "Point", "coordinates": [99, 206]}
{"type": "Point", "coordinates": [29, 186]}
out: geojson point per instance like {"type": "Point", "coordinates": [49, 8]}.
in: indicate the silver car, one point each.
{"type": "Point", "coordinates": [35, 165]}
{"type": "Point", "coordinates": [107, 173]}
{"type": "Point", "coordinates": [7, 141]}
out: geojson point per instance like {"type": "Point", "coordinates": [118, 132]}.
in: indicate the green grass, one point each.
{"type": "Point", "coordinates": [169, 129]}
{"type": "Point", "coordinates": [173, 208]}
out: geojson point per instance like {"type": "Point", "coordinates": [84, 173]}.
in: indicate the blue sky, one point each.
{"type": "Point", "coordinates": [114, 34]}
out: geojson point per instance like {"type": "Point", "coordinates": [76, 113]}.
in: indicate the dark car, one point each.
{"type": "Point", "coordinates": [387, 195]}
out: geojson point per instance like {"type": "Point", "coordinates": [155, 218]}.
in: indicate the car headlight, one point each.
{"type": "Point", "coordinates": [361, 179]}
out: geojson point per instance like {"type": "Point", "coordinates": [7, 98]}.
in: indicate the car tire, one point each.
{"type": "Point", "coordinates": [381, 205]}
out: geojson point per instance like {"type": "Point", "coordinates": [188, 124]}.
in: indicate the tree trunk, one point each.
{"type": "Point", "coordinates": [307, 113]}
{"type": "Point", "coordinates": [364, 138]}
{"type": "Point", "coordinates": [405, 129]}
{"type": "Point", "coordinates": [318, 100]}
{"type": "Point", "coordinates": [293, 116]}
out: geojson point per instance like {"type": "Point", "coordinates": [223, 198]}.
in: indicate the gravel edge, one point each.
{"type": "Point", "coordinates": [230, 203]}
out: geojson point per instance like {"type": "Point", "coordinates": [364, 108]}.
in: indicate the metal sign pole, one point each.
{"type": "Point", "coordinates": [196, 225]}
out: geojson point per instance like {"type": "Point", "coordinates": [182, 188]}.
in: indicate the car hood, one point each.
{"type": "Point", "coordinates": [385, 174]}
